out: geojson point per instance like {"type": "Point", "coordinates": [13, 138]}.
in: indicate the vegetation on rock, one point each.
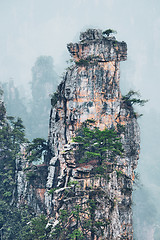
{"type": "Point", "coordinates": [108, 32]}
{"type": "Point", "coordinates": [82, 62]}
{"type": "Point", "coordinates": [131, 98]}
{"type": "Point", "coordinates": [12, 220]}
{"type": "Point", "coordinates": [96, 144]}
{"type": "Point", "coordinates": [83, 221]}
{"type": "Point", "coordinates": [35, 148]}
{"type": "Point", "coordinates": [11, 136]}
{"type": "Point", "coordinates": [54, 98]}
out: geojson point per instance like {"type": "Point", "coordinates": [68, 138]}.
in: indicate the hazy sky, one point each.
{"type": "Point", "coordinates": [31, 28]}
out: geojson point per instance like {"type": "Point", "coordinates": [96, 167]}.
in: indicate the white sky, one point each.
{"type": "Point", "coordinates": [31, 28]}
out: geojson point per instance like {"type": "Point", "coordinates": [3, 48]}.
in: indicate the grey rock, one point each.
{"type": "Point", "coordinates": [91, 91]}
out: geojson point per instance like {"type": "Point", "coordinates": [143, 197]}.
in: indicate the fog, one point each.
{"type": "Point", "coordinates": [32, 28]}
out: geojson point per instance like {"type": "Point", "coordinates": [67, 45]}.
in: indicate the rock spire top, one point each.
{"type": "Point", "coordinates": [91, 34]}
{"type": "Point", "coordinates": [93, 44]}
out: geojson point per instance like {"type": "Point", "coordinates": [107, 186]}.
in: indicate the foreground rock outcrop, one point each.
{"type": "Point", "coordinates": [89, 92]}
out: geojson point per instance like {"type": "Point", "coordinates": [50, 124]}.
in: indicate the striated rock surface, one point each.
{"type": "Point", "coordinates": [89, 90]}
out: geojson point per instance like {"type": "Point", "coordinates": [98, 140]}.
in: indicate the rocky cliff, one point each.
{"type": "Point", "coordinates": [93, 204]}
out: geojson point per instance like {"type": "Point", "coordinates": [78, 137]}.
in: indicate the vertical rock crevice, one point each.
{"type": "Point", "coordinates": [90, 90]}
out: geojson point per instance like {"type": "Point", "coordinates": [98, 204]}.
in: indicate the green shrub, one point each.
{"type": "Point", "coordinates": [119, 173]}
{"type": "Point", "coordinates": [99, 170]}
{"type": "Point", "coordinates": [73, 183]}
{"type": "Point", "coordinates": [51, 191]}
{"type": "Point", "coordinates": [130, 100]}
{"type": "Point", "coordinates": [35, 148]}
{"type": "Point", "coordinates": [108, 32]}
{"type": "Point", "coordinates": [54, 98]}
{"type": "Point", "coordinates": [31, 176]}
{"type": "Point", "coordinates": [82, 62]}
{"type": "Point", "coordinates": [95, 144]}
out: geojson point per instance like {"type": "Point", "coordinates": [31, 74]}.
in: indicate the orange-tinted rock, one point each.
{"type": "Point", "coordinates": [90, 90]}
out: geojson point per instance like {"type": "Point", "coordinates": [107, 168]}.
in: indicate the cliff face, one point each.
{"type": "Point", "coordinates": [89, 90]}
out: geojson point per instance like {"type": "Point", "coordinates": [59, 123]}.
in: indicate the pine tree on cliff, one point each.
{"type": "Point", "coordinates": [11, 137]}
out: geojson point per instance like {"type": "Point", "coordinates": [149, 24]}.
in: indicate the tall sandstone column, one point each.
{"type": "Point", "coordinates": [90, 90]}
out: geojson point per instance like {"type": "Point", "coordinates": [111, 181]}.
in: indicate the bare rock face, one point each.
{"type": "Point", "coordinates": [90, 90]}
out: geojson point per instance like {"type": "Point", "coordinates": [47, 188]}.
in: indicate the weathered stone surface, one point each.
{"type": "Point", "coordinates": [94, 46]}
{"type": "Point", "coordinates": [31, 183]}
{"type": "Point", "coordinates": [90, 90]}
